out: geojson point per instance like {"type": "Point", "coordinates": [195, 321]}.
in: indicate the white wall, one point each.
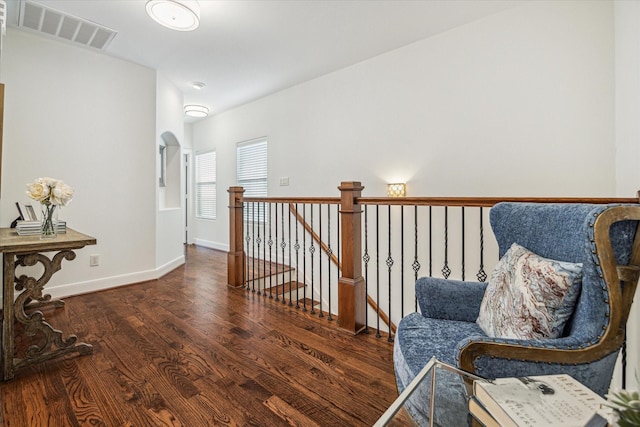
{"type": "Point", "coordinates": [170, 211]}
{"type": "Point", "coordinates": [627, 126]}
{"type": "Point", "coordinates": [517, 104]}
{"type": "Point", "coordinates": [88, 119]}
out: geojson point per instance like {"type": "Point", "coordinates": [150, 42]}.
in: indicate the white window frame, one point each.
{"type": "Point", "coordinates": [202, 182]}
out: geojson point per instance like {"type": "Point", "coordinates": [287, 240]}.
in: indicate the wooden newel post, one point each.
{"type": "Point", "coordinates": [351, 290]}
{"type": "Point", "coordinates": [235, 256]}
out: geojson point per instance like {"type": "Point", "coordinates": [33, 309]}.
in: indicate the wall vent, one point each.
{"type": "Point", "coordinates": [49, 22]}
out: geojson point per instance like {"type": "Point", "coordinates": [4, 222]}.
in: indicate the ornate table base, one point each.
{"type": "Point", "coordinates": [46, 342]}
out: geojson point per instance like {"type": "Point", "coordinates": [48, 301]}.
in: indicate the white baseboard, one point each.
{"type": "Point", "coordinates": [211, 245]}
{"type": "Point", "coordinates": [62, 291]}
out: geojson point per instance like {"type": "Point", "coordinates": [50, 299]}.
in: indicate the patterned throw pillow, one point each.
{"type": "Point", "coordinates": [528, 296]}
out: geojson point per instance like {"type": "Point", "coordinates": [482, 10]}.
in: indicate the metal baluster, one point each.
{"type": "Point", "coordinates": [245, 261]}
{"type": "Point", "coordinates": [264, 247]}
{"type": "Point", "coordinates": [462, 242]}
{"type": "Point", "coordinates": [312, 249]}
{"type": "Point", "coordinates": [329, 252]}
{"type": "Point", "coordinates": [270, 242]}
{"type": "Point", "coordinates": [366, 258]}
{"type": "Point", "coordinates": [389, 265]}
{"type": "Point", "coordinates": [378, 272]}
{"type": "Point", "coordinates": [258, 242]}
{"type": "Point", "coordinates": [247, 238]}
{"type": "Point", "coordinates": [304, 258]}
{"type": "Point", "coordinates": [430, 241]}
{"type": "Point", "coordinates": [446, 271]}
{"type": "Point", "coordinates": [339, 238]}
{"type": "Point", "coordinates": [253, 248]}
{"type": "Point", "coordinates": [283, 246]}
{"type": "Point", "coordinates": [297, 249]}
{"type": "Point", "coordinates": [290, 278]}
{"type": "Point", "coordinates": [277, 298]}
{"type": "Point", "coordinates": [416, 264]}
{"type": "Point", "coordinates": [401, 263]}
{"type": "Point", "coordinates": [320, 313]}
{"type": "Point", "coordinates": [623, 361]}
{"type": "Point", "coordinates": [482, 276]}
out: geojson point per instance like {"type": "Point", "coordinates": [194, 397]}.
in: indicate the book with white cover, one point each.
{"type": "Point", "coordinates": [545, 400]}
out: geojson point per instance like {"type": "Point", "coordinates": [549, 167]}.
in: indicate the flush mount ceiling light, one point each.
{"type": "Point", "coordinates": [198, 85]}
{"type": "Point", "coordinates": [196, 111]}
{"type": "Point", "coordinates": [180, 15]}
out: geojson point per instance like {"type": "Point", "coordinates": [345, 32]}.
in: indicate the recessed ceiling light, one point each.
{"type": "Point", "coordinates": [196, 111]}
{"type": "Point", "coordinates": [180, 15]}
{"type": "Point", "coordinates": [198, 85]}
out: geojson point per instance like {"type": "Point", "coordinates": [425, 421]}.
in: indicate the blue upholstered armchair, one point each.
{"type": "Point", "coordinates": [600, 237]}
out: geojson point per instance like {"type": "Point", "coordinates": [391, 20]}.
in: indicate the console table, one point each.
{"type": "Point", "coordinates": [28, 251]}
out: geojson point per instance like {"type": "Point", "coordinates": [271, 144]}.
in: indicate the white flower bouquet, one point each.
{"type": "Point", "coordinates": [51, 193]}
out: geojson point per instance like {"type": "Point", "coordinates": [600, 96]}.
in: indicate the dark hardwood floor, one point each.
{"type": "Point", "coordinates": [186, 350]}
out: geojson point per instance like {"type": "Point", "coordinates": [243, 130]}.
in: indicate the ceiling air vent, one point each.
{"type": "Point", "coordinates": [52, 23]}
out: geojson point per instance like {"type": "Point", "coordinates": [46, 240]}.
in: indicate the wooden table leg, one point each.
{"type": "Point", "coordinates": [8, 344]}
{"type": "Point", "coordinates": [50, 342]}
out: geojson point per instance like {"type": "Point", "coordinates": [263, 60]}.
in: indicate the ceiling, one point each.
{"type": "Point", "coordinates": [244, 50]}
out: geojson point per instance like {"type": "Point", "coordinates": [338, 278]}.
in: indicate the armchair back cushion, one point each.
{"type": "Point", "coordinates": [564, 232]}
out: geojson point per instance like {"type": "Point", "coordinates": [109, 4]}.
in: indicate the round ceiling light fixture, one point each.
{"type": "Point", "coordinates": [179, 15]}
{"type": "Point", "coordinates": [198, 85]}
{"type": "Point", "coordinates": [196, 111]}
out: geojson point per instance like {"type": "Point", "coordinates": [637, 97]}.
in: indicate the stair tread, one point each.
{"type": "Point", "coordinates": [287, 287]}
{"type": "Point", "coordinates": [265, 268]}
{"type": "Point", "coordinates": [308, 301]}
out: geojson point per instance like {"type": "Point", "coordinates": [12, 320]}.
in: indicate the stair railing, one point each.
{"type": "Point", "coordinates": [319, 242]}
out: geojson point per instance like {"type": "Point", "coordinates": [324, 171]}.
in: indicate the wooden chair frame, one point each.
{"type": "Point", "coordinates": [621, 282]}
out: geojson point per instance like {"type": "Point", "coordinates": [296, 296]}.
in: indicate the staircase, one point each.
{"type": "Point", "coordinates": [277, 281]}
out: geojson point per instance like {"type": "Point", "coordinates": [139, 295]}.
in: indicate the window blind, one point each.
{"type": "Point", "coordinates": [206, 185]}
{"type": "Point", "coordinates": [252, 174]}
{"type": "Point", "coordinates": [252, 167]}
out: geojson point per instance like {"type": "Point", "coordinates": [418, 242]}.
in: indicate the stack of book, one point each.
{"type": "Point", "coordinates": [31, 228]}
{"type": "Point", "coordinates": [541, 401]}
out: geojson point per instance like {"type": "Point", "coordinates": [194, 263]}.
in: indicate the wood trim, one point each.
{"type": "Point", "coordinates": [486, 202]}
{"type": "Point", "coordinates": [235, 257]}
{"type": "Point", "coordinates": [306, 200]}
{"type": "Point", "coordinates": [483, 202]}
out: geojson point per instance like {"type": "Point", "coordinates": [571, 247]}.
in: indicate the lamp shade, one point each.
{"type": "Point", "coordinates": [196, 111]}
{"type": "Point", "coordinates": [179, 15]}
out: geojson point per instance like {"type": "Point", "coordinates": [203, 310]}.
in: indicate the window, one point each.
{"type": "Point", "coordinates": [252, 173]}
{"type": "Point", "coordinates": [206, 185]}
{"type": "Point", "coordinates": [252, 167]}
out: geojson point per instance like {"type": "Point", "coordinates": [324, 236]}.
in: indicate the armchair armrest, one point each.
{"type": "Point", "coordinates": [490, 357]}
{"type": "Point", "coordinates": [449, 299]}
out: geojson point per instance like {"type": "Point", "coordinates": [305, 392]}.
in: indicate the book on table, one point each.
{"type": "Point", "coordinates": [545, 400]}
{"type": "Point", "coordinates": [481, 414]}
{"type": "Point", "coordinates": [29, 228]}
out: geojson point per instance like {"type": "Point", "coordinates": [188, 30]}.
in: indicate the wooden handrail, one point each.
{"type": "Point", "coordinates": [485, 202]}
{"type": "Point", "coordinates": [308, 200]}
{"type": "Point", "coordinates": [480, 202]}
